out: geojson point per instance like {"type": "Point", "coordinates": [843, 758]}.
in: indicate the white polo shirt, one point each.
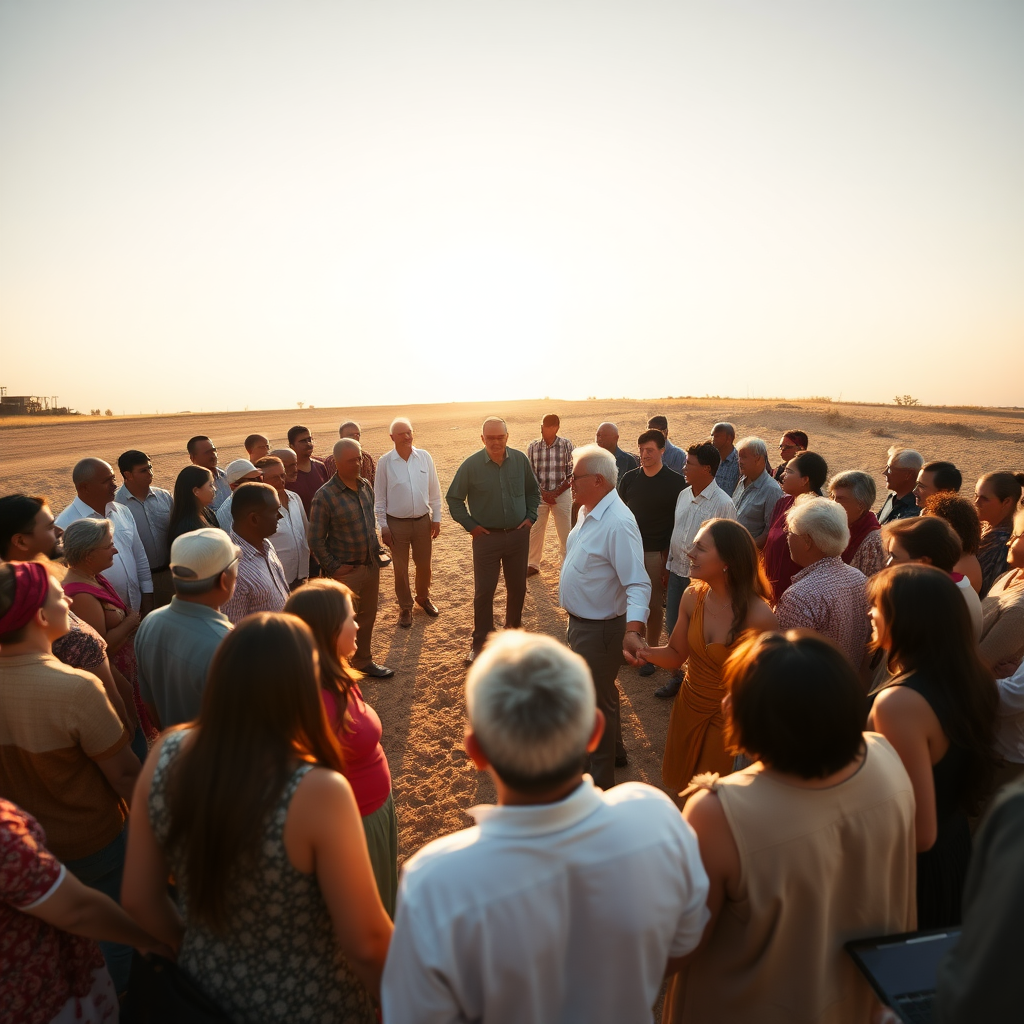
{"type": "Point", "coordinates": [548, 913]}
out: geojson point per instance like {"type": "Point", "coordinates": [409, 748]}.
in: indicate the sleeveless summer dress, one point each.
{"type": "Point", "coordinates": [278, 959]}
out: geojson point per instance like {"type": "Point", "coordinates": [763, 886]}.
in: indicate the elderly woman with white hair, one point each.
{"type": "Point", "coordinates": [826, 595]}
{"type": "Point", "coordinates": [855, 491]}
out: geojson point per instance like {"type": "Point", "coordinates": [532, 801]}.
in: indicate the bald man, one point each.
{"type": "Point", "coordinates": [130, 576]}
{"type": "Point", "coordinates": [503, 495]}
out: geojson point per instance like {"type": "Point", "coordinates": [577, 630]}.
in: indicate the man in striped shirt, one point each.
{"type": "Point", "coordinates": [261, 584]}
{"type": "Point", "coordinates": [551, 459]}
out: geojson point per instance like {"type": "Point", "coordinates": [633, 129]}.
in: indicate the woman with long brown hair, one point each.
{"type": "Point", "coordinates": [939, 713]}
{"type": "Point", "coordinates": [727, 596]}
{"type": "Point", "coordinates": [279, 915]}
{"type": "Point", "coordinates": [325, 606]}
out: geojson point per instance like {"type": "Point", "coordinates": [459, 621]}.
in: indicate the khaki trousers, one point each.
{"type": "Point", "coordinates": [364, 582]}
{"type": "Point", "coordinates": [411, 534]}
{"type": "Point", "coordinates": [654, 563]}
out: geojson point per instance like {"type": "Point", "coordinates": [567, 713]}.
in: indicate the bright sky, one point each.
{"type": "Point", "coordinates": [213, 204]}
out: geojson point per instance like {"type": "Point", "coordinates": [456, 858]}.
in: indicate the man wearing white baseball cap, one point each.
{"type": "Point", "coordinates": [241, 471]}
{"type": "Point", "coordinates": [175, 644]}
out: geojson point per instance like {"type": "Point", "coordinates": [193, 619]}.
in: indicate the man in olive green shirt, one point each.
{"type": "Point", "coordinates": [503, 496]}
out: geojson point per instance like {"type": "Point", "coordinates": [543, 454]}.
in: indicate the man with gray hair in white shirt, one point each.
{"type": "Point", "coordinates": [606, 591]}
{"type": "Point", "coordinates": [407, 506]}
{"type": "Point", "coordinates": [563, 903]}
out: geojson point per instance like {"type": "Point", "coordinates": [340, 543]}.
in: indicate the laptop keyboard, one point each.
{"type": "Point", "coordinates": [916, 1007]}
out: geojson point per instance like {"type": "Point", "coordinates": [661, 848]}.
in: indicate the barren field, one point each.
{"type": "Point", "coordinates": [422, 706]}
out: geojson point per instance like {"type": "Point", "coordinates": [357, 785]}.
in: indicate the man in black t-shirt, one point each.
{"type": "Point", "coordinates": [650, 493]}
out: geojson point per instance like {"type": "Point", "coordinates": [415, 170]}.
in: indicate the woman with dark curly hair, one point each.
{"type": "Point", "coordinates": [963, 517]}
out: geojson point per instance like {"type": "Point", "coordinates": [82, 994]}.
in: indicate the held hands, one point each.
{"type": "Point", "coordinates": [634, 647]}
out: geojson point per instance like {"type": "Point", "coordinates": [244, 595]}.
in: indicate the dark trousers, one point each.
{"type": "Point", "coordinates": [507, 551]}
{"type": "Point", "coordinates": [102, 870]}
{"type": "Point", "coordinates": [673, 595]}
{"type": "Point", "coordinates": [599, 644]}
{"type": "Point", "coordinates": [364, 582]}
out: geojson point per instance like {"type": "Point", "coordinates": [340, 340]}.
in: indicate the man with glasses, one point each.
{"type": "Point", "coordinates": [503, 495]}
{"type": "Point", "coordinates": [175, 645]}
{"type": "Point", "coordinates": [312, 473]}
{"type": "Point", "coordinates": [901, 472]}
{"type": "Point", "coordinates": [203, 452]}
{"type": "Point", "coordinates": [791, 444]}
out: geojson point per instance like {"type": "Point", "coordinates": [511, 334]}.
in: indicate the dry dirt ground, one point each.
{"type": "Point", "coordinates": [422, 706]}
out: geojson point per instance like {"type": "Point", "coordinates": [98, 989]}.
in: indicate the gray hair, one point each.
{"type": "Point", "coordinates": [592, 458]}
{"type": "Point", "coordinates": [861, 485]}
{"type": "Point", "coordinates": [724, 428]}
{"type": "Point", "coordinates": [905, 458]}
{"type": "Point", "coordinates": [396, 421]}
{"type": "Point", "coordinates": [531, 705]}
{"type": "Point", "coordinates": [84, 536]}
{"type": "Point", "coordinates": [344, 445]}
{"type": "Point", "coordinates": [196, 588]}
{"type": "Point", "coordinates": [349, 423]}
{"type": "Point", "coordinates": [822, 521]}
{"type": "Point", "coordinates": [86, 469]}
{"type": "Point", "coordinates": [755, 445]}
{"type": "Point", "coordinates": [494, 419]}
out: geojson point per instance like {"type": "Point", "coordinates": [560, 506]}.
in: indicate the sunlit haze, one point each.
{"type": "Point", "coordinates": [214, 205]}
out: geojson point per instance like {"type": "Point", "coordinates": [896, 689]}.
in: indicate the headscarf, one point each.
{"type": "Point", "coordinates": [31, 585]}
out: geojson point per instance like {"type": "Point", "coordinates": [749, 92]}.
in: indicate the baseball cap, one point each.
{"type": "Point", "coordinates": [234, 471]}
{"type": "Point", "coordinates": [202, 554]}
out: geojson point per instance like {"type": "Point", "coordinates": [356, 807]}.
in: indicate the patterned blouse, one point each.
{"type": "Point", "coordinates": [278, 959]}
{"type": "Point", "coordinates": [992, 554]}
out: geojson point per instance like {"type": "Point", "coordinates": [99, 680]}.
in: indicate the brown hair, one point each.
{"type": "Point", "coordinates": [927, 537]}
{"type": "Point", "coordinates": [960, 514]}
{"type": "Point", "coordinates": [795, 702]}
{"type": "Point", "coordinates": [812, 467]}
{"type": "Point", "coordinates": [1005, 485]}
{"type": "Point", "coordinates": [930, 633]}
{"type": "Point", "coordinates": [261, 713]}
{"type": "Point", "coordinates": [322, 605]}
{"type": "Point", "coordinates": [746, 578]}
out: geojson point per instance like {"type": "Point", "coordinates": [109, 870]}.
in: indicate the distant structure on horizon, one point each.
{"type": "Point", "coordinates": [30, 405]}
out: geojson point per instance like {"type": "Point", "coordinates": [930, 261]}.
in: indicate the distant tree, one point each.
{"type": "Point", "coordinates": [109, 412]}
{"type": "Point", "coordinates": [906, 400]}
{"type": "Point", "coordinates": [300, 404]}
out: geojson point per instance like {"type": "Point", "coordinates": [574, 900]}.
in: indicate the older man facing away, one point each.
{"type": "Point", "coordinates": [65, 755]}
{"type": "Point", "coordinates": [673, 457]}
{"type": "Point", "coordinates": [175, 645]}
{"type": "Point", "coordinates": [826, 595]}
{"type": "Point", "coordinates": [723, 437]}
{"type": "Point", "coordinates": [203, 452]}
{"type": "Point", "coordinates": [607, 437]}
{"type": "Point", "coordinates": [343, 538]}
{"type": "Point", "coordinates": [353, 431]}
{"type": "Point", "coordinates": [503, 496]}
{"type": "Point", "coordinates": [239, 472]}
{"type": "Point", "coordinates": [551, 458]}
{"type": "Point", "coordinates": [256, 447]}
{"type": "Point", "coordinates": [261, 585]}
{"type": "Point", "coordinates": [129, 575]}
{"type": "Point", "coordinates": [702, 500]}
{"type": "Point", "coordinates": [606, 590]}
{"type": "Point", "coordinates": [791, 444]}
{"type": "Point", "coordinates": [937, 478]}
{"type": "Point", "coordinates": [901, 471]}
{"type": "Point", "coordinates": [757, 493]}
{"type": "Point", "coordinates": [408, 508]}
{"type": "Point", "coordinates": [563, 903]}
{"type": "Point", "coordinates": [151, 509]}
{"type": "Point", "coordinates": [291, 542]}
{"type": "Point", "coordinates": [650, 493]}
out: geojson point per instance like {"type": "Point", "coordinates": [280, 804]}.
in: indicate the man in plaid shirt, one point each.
{"type": "Point", "coordinates": [551, 459]}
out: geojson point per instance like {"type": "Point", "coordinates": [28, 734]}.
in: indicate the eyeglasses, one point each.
{"type": "Point", "coordinates": [583, 476]}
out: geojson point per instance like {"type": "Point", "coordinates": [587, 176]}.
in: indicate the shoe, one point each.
{"type": "Point", "coordinates": [471, 657]}
{"type": "Point", "coordinates": [429, 607]}
{"type": "Point", "coordinates": [647, 669]}
{"type": "Point", "coordinates": [532, 571]}
{"type": "Point", "coordinates": [405, 618]}
{"type": "Point", "coordinates": [670, 689]}
{"type": "Point", "coordinates": [621, 760]}
{"type": "Point", "coordinates": [376, 671]}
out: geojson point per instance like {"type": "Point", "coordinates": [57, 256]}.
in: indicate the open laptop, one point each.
{"type": "Point", "coordinates": [902, 969]}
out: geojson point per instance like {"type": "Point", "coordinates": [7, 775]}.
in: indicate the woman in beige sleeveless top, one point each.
{"type": "Point", "coordinates": [809, 847]}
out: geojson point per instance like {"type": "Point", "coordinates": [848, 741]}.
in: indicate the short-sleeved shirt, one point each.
{"type": "Point", "coordinates": [652, 500]}
{"type": "Point", "coordinates": [174, 647]}
{"type": "Point", "coordinates": [55, 724]}
{"type": "Point", "coordinates": [41, 967]}
{"type": "Point", "coordinates": [308, 483]}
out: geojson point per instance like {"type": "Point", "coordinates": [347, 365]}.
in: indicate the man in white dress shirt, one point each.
{"type": "Point", "coordinates": [702, 500]}
{"type": "Point", "coordinates": [151, 509]}
{"type": "Point", "coordinates": [291, 542]}
{"type": "Point", "coordinates": [129, 575]}
{"type": "Point", "coordinates": [407, 505]}
{"type": "Point", "coordinates": [563, 903]}
{"type": "Point", "coordinates": [606, 591]}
